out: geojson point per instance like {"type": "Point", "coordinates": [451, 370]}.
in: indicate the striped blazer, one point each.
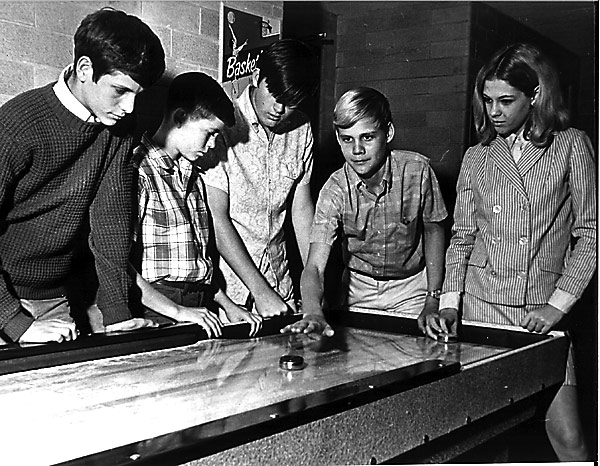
{"type": "Point", "coordinates": [515, 223]}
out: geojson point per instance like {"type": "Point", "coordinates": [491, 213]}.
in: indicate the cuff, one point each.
{"type": "Point", "coordinates": [562, 300]}
{"type": "Point", "coordinates": [17, 326]}
{"type": "Point", "coordinates": [450, 299]}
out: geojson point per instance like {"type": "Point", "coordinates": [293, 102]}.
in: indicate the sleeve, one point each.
{"type": "Point", "coordinates": [215, 172]}
{"type": "Point", "coordinates": [434, 208]}
{"type": "Point", "coordinates": [464, 230]}
{"type": "Point", "coordinates": [582, 182]}
{"type": "Point", "coordinates": [328, 214]}
{"type": "Point", "coordinates": [111, 224]}
{"type": "Point", "coordinates": [307, 158]}
{"type": "Point", "coordinates": [14, 320]}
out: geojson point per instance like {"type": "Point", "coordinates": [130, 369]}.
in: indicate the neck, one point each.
{"type": "Point", "coordinates": [161, 139]}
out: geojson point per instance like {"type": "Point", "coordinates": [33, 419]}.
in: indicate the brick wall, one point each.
{"type": "Point", "coordinates": [416, 53]}
{"type": "Point", "coordinates": [36, 39]}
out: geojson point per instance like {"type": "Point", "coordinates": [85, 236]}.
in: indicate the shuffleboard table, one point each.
{"type": "Point", "coordinates": [377, 391]}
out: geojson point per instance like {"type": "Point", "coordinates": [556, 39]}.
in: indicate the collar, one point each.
{"type": "Point", "coordinates": [66, 97]}
{"type": "Point", "coordinates": [247, 109]}
{"type": "Point", "coordinates": [386, 178]}
{"type": "Point", "coordinates": [158, 154]}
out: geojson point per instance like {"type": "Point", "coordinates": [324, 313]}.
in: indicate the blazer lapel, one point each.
{"type": "Point", "coordinates": [531, 155]}
{"type": "Point", "coordinates": [501, 157]}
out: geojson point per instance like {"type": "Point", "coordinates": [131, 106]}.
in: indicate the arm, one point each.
{"type": "Point", "coordinates": [303, 210]}
{"type": "Point", "coordinates": [582, 262]}
{"type": "Point", "coordinates": [233, 250]}
{"type": "Point", "coordinates": [236, 313]}
{"type": "Point", "coordinates": [158, 302]}
{"type": "Point", "coordinates": [311, 287]}
{"type": "Point", "coordinates": [111, 223]}
{"type": "Point", "coordinates": [433, 245]}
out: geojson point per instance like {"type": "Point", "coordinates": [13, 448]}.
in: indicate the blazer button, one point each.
{"type": "Point", "coordinates": [493, 273]}
{"type": "Point", "coordinates": [497, 209]}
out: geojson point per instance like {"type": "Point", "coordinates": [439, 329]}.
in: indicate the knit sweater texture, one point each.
{"type": "Point", "coordinates": [62, 182]}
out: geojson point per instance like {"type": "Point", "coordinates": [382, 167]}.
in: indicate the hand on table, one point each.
{"type": "Point", "coordinates": [443, 321]}
{"type": "Point", "coordinates": [269, 304]}
{"type": "Point", "coordinates": [201, 316]}
{"type": "Point", "coordinates": [131, 324]}
{"type": "Point", "coordinates": [542, 320]}
{"type": "Point", "coordinates": [238, 314]}
{"type": "Point", "coordinates": [49, 330]}
{"type": "Point", "coordinates": [310, 323]}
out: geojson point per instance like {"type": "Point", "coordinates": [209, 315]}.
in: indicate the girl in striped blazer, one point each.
{"type": "Point", "coordinates": [524, 237]}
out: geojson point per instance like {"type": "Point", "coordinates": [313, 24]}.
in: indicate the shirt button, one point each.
{"type": "Point", "coordinates": [493, 273]}
{"type": "Point", "coordinates": [497, 209]}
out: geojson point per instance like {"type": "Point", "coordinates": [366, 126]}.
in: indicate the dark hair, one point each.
{"type": "Point", "coordinates": [201, 97]}
{"type": "Point", "coordinates": [359, 103]}
{"type": "Point", "coordinates": [290, 70]}
{"type": "Point", "coordinates": [524, 67]}
{"type": "Point", "coordinates": [116, 41]}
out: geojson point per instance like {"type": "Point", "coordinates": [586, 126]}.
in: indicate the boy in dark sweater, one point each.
{"type": "Point", "coordinates": [66, 177]}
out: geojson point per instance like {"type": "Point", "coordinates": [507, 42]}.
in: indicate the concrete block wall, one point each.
{"type": "Point", "coordinates": [36, 39]}
{"type": "Point", "coordinates": [417, 54]}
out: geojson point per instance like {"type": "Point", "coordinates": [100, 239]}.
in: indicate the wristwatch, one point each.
{"type": "Point", "coordinates": [434, 293]}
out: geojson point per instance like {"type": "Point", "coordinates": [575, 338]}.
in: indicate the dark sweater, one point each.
{"type": "Point", "coordinates": [61, 178]}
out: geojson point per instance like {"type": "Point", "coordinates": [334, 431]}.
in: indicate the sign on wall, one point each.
{"type": "Point", "coordinates": [243, 37]}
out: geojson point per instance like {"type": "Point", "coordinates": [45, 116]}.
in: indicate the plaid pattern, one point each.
{"type": "Point", "coordinates": [173, 223]}
{"type": "Point", "coordinates": [514, 222]}
{"type": "Point", "coordinates": [382, 235]}
{"type": "Point", "coordinates": [259, 172]}
{"type": "Point", "coordinates": [59, 177]}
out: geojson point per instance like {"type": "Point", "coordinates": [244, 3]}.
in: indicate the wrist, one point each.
{"type": "Point", "coordinates": [435, 294]}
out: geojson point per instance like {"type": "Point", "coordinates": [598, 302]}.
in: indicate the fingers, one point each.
{"type": "Point", "coordinates": [255, 324]}
{"type": "Point", "coordinates": [49, 330]}
{"type": "Point", "coordinates": [211, 324]}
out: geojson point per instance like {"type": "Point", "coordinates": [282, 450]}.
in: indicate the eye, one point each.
{"type": "Point", "coordinates": [506, 101]}
{"type": "Point", "coordinates": [346, 139]}
{"type": "Point", "coordinates": [487, 100]}
{"type": "Point", "coordinates": [368, 137]}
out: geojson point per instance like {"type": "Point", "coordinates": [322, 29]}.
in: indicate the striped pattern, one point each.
{"type": "Point", "coordinates": [259, 172]}
{"type": "Point", "coordinates": [173, 218]}
{"type": "Point", "coordinates": [513, 222]}
{"type": "Point", "coordinates": [383, 236]}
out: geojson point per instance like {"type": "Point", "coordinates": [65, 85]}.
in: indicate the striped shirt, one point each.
{"type": "Point", "coordinates": [173, 220]}
{"type": "Point", "coordinates": [514, 223]}
{"type": "Point", "coordinates": [382, 235]}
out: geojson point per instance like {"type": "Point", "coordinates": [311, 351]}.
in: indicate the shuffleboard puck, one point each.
{"type": "Point", "coordinates": [291, 362]}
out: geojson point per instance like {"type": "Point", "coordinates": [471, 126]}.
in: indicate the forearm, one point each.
{"type": "Point", "coordinates": [303, 211]}
{"type": "Point", "coordinates": [233, 250]}
{"type": "Point", "coordinates": [312, 290]}
{"type": "Point", "coordinates": [154, 299]}
{"type": "Point", "coordinates": [433, 240]}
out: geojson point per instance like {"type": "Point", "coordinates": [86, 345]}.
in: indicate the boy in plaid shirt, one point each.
{"type": "Point", "coordinates": [173, 231]}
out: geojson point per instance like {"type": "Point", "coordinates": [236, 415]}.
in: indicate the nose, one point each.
{"type": "Point", "coordinates": [494, 109]}
{"type": "Point", "coordinates": [210, 144]}
{"type": "Point", "coordinates": [357, 147]}
{"type": "Point", "coordinates": [128, 102]}
{"type": "Point", "coordinates": [279, 108]}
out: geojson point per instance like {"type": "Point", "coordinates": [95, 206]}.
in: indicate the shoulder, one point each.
{"type": "Point", "coordinates": [405, 159]}
{"type": "Point", "coordinates": [27, 108]}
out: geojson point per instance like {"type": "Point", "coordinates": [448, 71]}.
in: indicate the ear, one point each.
{"type": "Point", "coordinates": [179, 117]}
{"type": "Point", "coordinates": [84, 70]}
{"type": "Point", "coordinates": [390, 133]}
{"type": "Point", "coordinates": [255, 75]}
{"type": "Point", "coordinates": [536, 92]}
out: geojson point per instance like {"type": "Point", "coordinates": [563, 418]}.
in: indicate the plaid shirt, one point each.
{"type": "Point", "coordinates": [173, 219]}
{"type": "Point", "coordinates": [382, 235]}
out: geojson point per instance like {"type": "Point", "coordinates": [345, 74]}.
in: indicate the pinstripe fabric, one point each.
{"type": "Point", "coordinates": [513, 222]}
{"type": "Point", "coordinates": [173, 218]}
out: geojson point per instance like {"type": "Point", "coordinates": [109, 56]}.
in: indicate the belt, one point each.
{"type": "Point", "coordinates": [188, 287]}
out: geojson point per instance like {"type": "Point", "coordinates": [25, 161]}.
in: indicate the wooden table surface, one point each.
{"type": "Point", "coordinates": [60, 413]}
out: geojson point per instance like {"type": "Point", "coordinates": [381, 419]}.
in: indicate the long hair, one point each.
{"type": "Point", "coordinates": [524, 67]}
